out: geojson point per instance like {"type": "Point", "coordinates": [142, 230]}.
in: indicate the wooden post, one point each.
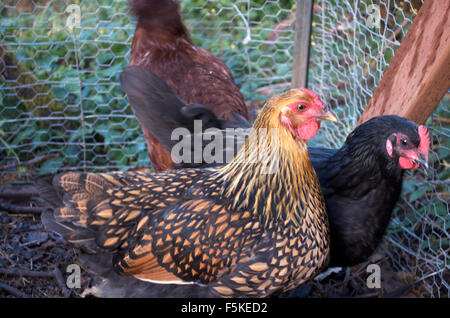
{"type": "Point", "coordinates": [301, 45]}
{"type": "Point", "coordinates": [418, 75]}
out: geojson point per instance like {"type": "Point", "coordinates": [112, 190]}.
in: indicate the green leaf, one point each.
{"type": "Point", "coordinates": [420, 192]}
{"type": "Point", "coordinates": [23, 135]}
{"type": "Point", "coordinates": [113, 70]}
{"type": "Point", "coordinates": [77, 134]}
{"type": "Point", "coordinates": [51, 166]}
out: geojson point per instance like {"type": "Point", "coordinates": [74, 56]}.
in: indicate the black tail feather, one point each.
{"type": "Point", "coordinates": [160, 111]}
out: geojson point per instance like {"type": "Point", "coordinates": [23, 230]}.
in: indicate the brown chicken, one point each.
{"type": "Point", "coordinates": [162, 44]}
{"type": "Point", "coordinates": [239, 230]}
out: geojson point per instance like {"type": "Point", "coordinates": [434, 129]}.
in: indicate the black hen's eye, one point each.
{"type": "Point", "coordinates": [301, 107]}
{"type": "Point", "coordinates": [403, 141]}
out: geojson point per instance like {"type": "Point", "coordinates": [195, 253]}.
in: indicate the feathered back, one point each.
{"type": "Point", "coordinates": [162, 44]}
{"type": "Point", "coordinates": [157, 107]}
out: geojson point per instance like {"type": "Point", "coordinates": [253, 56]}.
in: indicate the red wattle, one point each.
{"type": "Point", "coordinates": [307, 131]}
{"type": "Point", "coordinates": [407, 163]}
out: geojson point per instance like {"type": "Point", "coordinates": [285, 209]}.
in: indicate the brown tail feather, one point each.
{"type": "Point", "coordinates": [83, 238]}
{"type": "Point", "coordinates": [81, 208]}
{"type": "Point", "coordinates": [159, 12]}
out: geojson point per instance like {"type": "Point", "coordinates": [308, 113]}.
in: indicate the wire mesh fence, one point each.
{"type": "Point", "coordinates": [60, 94]}
{"type": "Point", "coordinates": [349, 55]}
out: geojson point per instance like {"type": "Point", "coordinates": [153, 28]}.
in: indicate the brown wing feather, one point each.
{"type": "Point", "coordinates": [147, 268]}
{"type": "Point", "coordinates": [161, 227]}
{"type": "Point", "coordinates": [197, 241]}
{"type": "Point", "coordinates": [106, 207]}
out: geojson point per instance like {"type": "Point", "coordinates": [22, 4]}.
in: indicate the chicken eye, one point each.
{"type": "Point", "coordinates": [301, 107]}
{"type": "Point", "coordinates": [403, 141]}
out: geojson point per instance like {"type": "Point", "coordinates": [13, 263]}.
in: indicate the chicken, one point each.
{"type": "Point", "coordinates": [142, 85]}
{"type": "Point", "coordinates": [162, 45]}
{"type": "Point", "coordinates": [253, 227]}
{"type": "Point", "coordinates": [361, 181]}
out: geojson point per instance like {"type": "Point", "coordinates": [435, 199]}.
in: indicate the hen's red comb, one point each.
{"type": "Point", "coordinates": [424, 136]}
{"type": "Point", "coordinates": [314, 97]}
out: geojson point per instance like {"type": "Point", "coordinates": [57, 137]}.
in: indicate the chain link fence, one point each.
{"type": "Point", "coordinates": [61, 106]}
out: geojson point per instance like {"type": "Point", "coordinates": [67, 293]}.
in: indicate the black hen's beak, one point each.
{"type": "Point", "coordinates": [422, 162]}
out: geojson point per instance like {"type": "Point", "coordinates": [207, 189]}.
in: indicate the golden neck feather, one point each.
{"type": "Point", "coordinates": [272, 174]}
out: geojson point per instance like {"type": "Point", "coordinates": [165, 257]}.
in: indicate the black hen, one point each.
{"type": "Point", "coordinates": [361, 181]}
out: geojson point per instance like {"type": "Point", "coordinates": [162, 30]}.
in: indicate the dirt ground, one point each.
{"type": "Point", "coordinates": [33, 262]}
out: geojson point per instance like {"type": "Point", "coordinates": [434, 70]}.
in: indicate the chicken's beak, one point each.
{"type": "Point", "coordinates": [327, 116]}
{"type": "Point", "coordinates": [422, 162]}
